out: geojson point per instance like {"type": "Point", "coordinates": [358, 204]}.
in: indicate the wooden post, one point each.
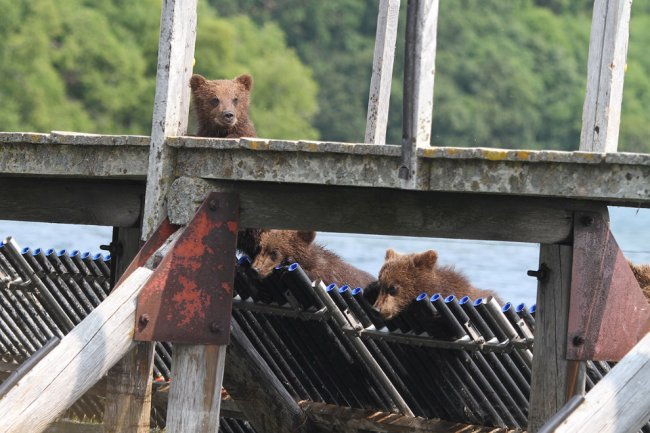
{"type": "Point", "coordinates": [619, 402]}
{"type": "Point", "coordinates": [551, 370]}
{"type": "Point", "coordinates": [382, 72]}
{"type": "Point", "coordinates": [419, 72]}
{"type": "Point", "coordinates": [171, 103]}
{"type": "Point", "coordinates": [195, 393]}
{"type": "Point", "coordinates": [601, 113]}
{"type": "Point", "coordinates": [129, 407]}
{"type": "Point", "coordinates": [81, 359]}
{"type": "Point", "coordinates": [128, 384]}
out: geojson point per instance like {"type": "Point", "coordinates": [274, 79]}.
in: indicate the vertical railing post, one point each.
{"type": "Point", "coordinates": [601, 113]}
{"type": "Point", "coordinates": [419, 73]}
{"type": "Point", "coordinates": [382, 72]}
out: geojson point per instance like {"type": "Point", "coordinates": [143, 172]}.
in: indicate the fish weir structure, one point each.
{"type": "Point", "coordinates": [466, 361]}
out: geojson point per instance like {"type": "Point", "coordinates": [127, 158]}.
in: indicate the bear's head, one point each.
{"type": "Point", "coordinates": [221, 104]}
{"type": "Point", "coordinates": [281, 247]}
{"type": "Point", "coordinates": [401, 280]}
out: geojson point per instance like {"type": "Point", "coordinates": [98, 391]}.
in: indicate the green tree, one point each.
{"type": "Point", "coordinates": [90, 65]}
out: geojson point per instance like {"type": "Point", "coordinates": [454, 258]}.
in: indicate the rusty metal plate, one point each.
{"type": "Point", "coordinates": [162, 232]}
{"type": "Point", "coordinates": [188, 298]}
{"type": "Point", "coordinates": [607, 311]}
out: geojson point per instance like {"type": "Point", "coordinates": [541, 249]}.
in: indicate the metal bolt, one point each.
{"type": "Point", "coordinates": [213, 205]}
{"type": "Point", "coordinates": [214, 327]}
{"type": "Point", "coordinates": [586, 220]}
{"type": "Point", "coordinates": [540, 274]}
{"type": "Point", "coordinates": [578, 340]}
{"type": "Point", "coordinates": [144, 319]}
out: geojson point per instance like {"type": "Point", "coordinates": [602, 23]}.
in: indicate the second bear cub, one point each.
{"type": "Point", "coordinates": [281, 247]}
{"type": "Point", "coordinates": [404, 276]}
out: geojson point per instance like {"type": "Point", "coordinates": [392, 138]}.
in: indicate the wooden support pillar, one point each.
{"type": "Point", "coordinates": [419, 72]}
{"type": "Point", "coordinates": [128, 383]}
{"type": "Point", "coordinates": [601, 114]}
{"type": "Point", "coordinates": [382, 72]}
{"type": "Point", "coordinates": [551, 373]}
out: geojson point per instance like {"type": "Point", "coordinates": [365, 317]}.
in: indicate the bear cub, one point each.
{"type": "Point", "coordinates": [282, 247]}
{"type": "Point", "coordinates": [404, 276]}
{"type": "Point", "coordinates": [222, 106]}
{"type": "Point", "coordinates": [222, 112]}
{"type": "Point", "coordinates": [642, 275]}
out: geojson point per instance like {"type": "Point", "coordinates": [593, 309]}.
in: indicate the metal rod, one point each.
{"type": "Point", "coordinates": [27, 365]}
{"type": "Point", "coordinates": [19, 260]}
{"type": "Point", "coordinates": [364, 353]}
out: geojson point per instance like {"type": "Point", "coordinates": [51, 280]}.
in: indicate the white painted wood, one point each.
{"type": "Point", "coordinates": [171, 103]}
{"type": "Point", "coordinates": [601, 113]}
{"type": "Point", "coordinates": [81, 359]}
{"type": "Point", "coordinates": [382, 72]}
{"type": "Point", "coordinates": [619, 403]}
{"type": "Point", "coordinates": [419, 76]}
{"type": "Point", "coordinates": [195, 394]}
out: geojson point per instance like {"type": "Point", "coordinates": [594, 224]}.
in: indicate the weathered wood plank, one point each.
{"type": "Point", "coordinates": [195, 394]}
{"type": "Point", "coordinates": [551, 370]}
{"type": "Point", "coordinates": [382, 72]}
{"type": "Point", "coordinates": [419, 72]}
{"type": "Point", "coordinates": [619, 402]}
{"type": "Point", "coordinates": [110, 203]}
{"type": "Point", "coordinates": [601, 113]}
{"type": "Point", "coordinates": [345, 419]}
{"type": "Point", "coordinates": [79, 361]}
{"type": "Point", "coordinates": [386, 211]}
{"type": "Point", "coordinates": [171, 103]}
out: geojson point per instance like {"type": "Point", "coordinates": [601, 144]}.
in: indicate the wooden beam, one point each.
{"type": "Point", "coordinates": [551, 370]}
{"type": "Point", "coordinates": [346, 419]}
{"type": "Point", "coordinates": [382, 72]}
{"type": "Point", "coordinates": [107, 203]}
{"type": "Point", "coordinates": [195, 394]}
{"type": "Point", "coordinates": [171, 103]}
{"type": "Point", "coordinates": [619, 402]}
{"type": "Point", "coordinates": [419, 73]}
{"type": "Point", "coordinates": [386, 211]}
{"type": "Point", "coordinates": [601, 114]}
{"type": "Point", "coordinates": [79, 361]}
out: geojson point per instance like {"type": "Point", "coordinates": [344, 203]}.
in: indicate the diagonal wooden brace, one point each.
{"type": "Point", "coordinates": [188, 299]}
{"type": "Point", "coordinates": [608, 311]}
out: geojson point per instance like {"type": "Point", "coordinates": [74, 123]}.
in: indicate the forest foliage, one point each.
{"type": "Point", "coordinates": [508, 74]}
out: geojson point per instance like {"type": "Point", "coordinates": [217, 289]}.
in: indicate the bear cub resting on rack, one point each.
{"type": "Point", "coordinates": [222, 111]}
{"type": "Point", "coordinates": [282, 247]}
{"type": "Point", "coordinates": [404, 276]}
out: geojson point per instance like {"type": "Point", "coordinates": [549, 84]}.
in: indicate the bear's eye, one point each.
{"type": "Point", "coordinates": [274, 255]}
{"type": "Point", "coordinates": [214, 102]}
{"type": "Point", "coordinates": [392, 291]}
{"type": "Point", "coordinates": [235, 101]}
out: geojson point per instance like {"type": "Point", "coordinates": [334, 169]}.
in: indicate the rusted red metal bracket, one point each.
{"type": "Point", "coordinates": [608, 313]}
{"type": "Point", "coordinates": [188, 298]}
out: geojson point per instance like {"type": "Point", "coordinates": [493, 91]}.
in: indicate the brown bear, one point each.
{"type": "Point", "coordinates": [222, 106]}
{"type": "Point", "coordinates": [281, 247]}
{"type": "Point", "coordinates": [404, 276]}
{"type": "Point", "coordinates": [642, 275]}
{"type": "Point", "coordinates": [222, 111]}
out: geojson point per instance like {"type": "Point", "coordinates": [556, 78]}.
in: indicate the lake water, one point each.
{"type": "Point", "coordinates": [500, 266]}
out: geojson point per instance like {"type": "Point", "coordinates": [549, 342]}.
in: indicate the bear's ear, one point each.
{"type": "Point", "coordinates": [197, 81]}
{"type": "Point", "coordinates": [307, 237]}
{"type": "Point", "coordinates": [390, 254]}
{"type": "Point", "coordinates": [246, 80]}
{"type": "Point", "coordinates": [426, 259]}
